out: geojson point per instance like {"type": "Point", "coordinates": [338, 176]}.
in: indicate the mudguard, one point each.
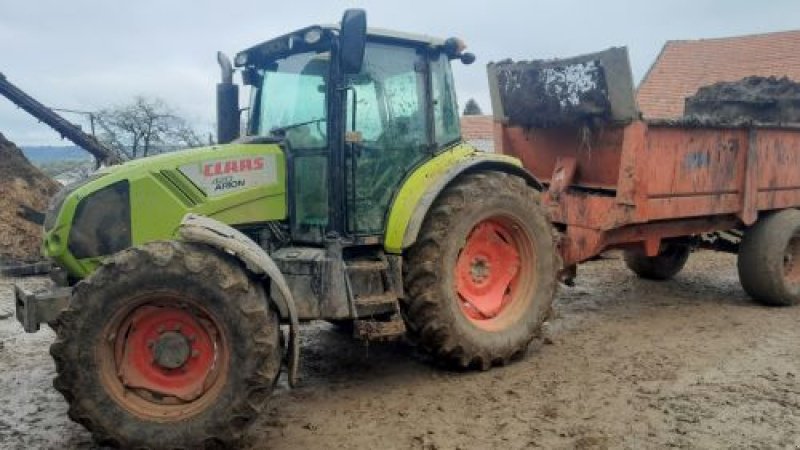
{"type": "Point", "coordinates": [201, 229]}
{"type": "Point", "coordinates": [420, 190]}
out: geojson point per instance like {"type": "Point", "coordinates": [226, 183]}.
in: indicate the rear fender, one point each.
{"type": "Point", "coordinates": [201, 229]}
{"type": "Point", "coordinates": [422, 188]}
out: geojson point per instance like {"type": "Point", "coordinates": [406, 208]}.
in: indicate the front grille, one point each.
{"type": "Point", "coordinates": [102, 222]}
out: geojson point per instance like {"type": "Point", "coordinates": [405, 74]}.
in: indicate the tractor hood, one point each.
{"type": "Point", "coordinates": [145, 199]}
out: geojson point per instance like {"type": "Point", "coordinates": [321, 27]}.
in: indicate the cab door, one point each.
{"type": "Point", "coordinates": [294, 106]}
{"type": "Point", "coordinates": [388, 131]}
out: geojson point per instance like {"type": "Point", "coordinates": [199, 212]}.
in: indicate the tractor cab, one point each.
{"type": "Point", "coordinates": [356, 110]}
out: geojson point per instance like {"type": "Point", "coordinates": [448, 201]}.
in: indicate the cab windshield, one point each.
{"type": "Point", "coordinates": [290, 102]}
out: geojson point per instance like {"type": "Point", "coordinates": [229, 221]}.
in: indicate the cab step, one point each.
{"type": "Point", "coordinates": [367, 265]}
{"type": "Point", "coordinates": [379, 330]}
{"type": "Point", "coordinates": [374, 297]}
{"type": "Point", "coordinates": [376, 304]}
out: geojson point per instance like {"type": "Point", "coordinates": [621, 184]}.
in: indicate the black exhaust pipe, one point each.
{"type": "Point", "coordinates": [227, 103]}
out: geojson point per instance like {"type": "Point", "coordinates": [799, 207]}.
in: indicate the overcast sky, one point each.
{"type": "Point", "coordinates": [87, 55]}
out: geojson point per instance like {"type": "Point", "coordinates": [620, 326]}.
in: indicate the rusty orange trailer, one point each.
{"type": "Point", "coordinates": [641, 183]}
{"type": "Point", "coordinates": [656, 189]}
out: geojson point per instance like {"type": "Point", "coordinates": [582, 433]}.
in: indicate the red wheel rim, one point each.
{"type": "Point", "coordinates": [497, 254]}
{"type": "Point", "coordinates": [165, 357]}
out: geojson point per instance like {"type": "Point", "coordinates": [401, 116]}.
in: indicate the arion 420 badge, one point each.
{"type": "Point", "coordinates": [223, 176]}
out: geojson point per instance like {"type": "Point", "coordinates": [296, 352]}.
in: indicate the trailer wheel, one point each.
{"type": "Point", "coordinates": [481, 277]}
{"type": "Point", "coordinates": [769, 259]}
{"type": "Point", "coordinates": [167, 345]}
{"type": "Point", "coordinates": [669, 261]}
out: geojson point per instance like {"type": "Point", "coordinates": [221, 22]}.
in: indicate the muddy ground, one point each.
{"type": "Point", "coordinates": [690, 363]}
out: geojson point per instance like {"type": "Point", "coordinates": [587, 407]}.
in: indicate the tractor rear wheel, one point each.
{"type": "Point", "coordinates": [769, 259]}
{"type": "Point", "coordinates": [481, 277]}
{"type": "Point", "coordinates": [167, 345]}
{"type": "Point", "coordinates": [669, 261]}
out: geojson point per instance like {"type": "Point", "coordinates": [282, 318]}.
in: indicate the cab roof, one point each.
{"type": "Point", "coordinates": [286, 44]}
{"type": "Point", "coordinates": [396, 35]}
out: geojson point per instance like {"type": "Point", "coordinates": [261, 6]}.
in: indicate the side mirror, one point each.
{"type": "Point", "coordinates": [352, 40]}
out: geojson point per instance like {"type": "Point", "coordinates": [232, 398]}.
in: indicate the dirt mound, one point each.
{"type": "Point", "coordinates": [768, 100]}
{"type": "Point", "coordinates": [24, 194]}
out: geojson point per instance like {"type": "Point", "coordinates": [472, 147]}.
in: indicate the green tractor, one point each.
{"type": "Point", "coordinates": [351, 197]}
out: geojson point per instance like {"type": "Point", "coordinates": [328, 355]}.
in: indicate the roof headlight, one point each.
{"type": "Point", "coordinates": [312, 36]}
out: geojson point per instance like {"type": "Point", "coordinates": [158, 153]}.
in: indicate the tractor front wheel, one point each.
{"type": "Point", "coordinates": [167, 345]}
{"type": "Point", "coordinates": [481, 277]}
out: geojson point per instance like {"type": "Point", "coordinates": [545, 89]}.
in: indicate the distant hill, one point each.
{"type": "Point", "coordinates": [39, 155]}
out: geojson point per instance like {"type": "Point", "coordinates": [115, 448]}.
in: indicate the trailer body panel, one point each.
{"type": "Point", "coordinates": [641, 183]}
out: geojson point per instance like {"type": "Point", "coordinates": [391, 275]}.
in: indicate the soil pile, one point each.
{"type": "Point", "coordinates": [768, 100]}
{"type": "Point", "coordinates": [24, 194]}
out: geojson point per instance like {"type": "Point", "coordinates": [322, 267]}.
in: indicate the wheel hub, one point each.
{"type": "Point", "coordinates": [791, 270]}
{"type": "Point", "coordinates": [172, 350]}
{"type": "Point", "coordinates": [479, 269]}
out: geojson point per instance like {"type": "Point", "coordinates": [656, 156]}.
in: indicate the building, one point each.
{"type": "Point", "coordinates": [478, 131]}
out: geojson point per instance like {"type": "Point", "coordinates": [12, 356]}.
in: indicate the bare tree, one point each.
{"type": "Point", "coordinates": [472, 108]}
{"type": "Point", "coordinates": [145, 127]}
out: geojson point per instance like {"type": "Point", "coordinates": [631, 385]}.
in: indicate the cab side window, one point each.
{"type": "Point", "coordinates": [390, 118]}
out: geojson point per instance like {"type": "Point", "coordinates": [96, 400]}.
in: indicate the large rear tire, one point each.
{"type": "Point", "coordinates": [769, 259]}
{"type": "Point", "coordinates": [481, 277]}
{"type": "Point", "coordinates": [167, 345]}
{"type": "Point", "coordinates": [669, 261]}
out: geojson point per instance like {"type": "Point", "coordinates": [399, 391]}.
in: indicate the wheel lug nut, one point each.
{"type": "Point", "coordinates": [195, 353]}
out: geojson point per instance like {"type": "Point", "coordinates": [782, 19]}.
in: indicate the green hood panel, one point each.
{"type": "Point", "coordinates": [237, 184]}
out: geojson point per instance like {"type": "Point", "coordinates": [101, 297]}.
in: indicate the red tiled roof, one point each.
{"type": "Point", "coordinates": [477, 127]}
{"type": "Point", "coordinates": [684, 66]}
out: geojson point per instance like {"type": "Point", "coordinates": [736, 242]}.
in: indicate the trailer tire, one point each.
{"type": "Point", "coordinates": [453, 262]}
{"type": "Point", "coordinates": [162, 315]}
{"type": "Point", "coordinates": [669, 261]}
{"type": "Point", "coordinates": [769, 259]}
